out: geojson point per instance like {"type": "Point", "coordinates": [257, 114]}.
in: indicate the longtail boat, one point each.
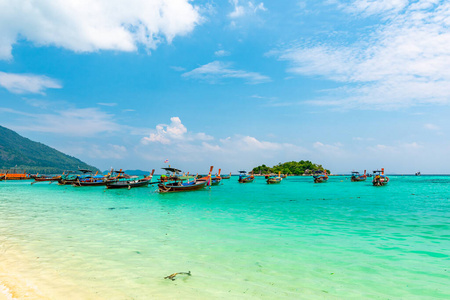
{"type": "Point", "coordinates": [88, 179]}
{"type": "Point", "coordinates": [357, 177]}
{"type": "Point", "coordinates": [217, 179]}
{"type": "Point", "coordinates": [68, 177]}
{"type": "Point", "coordinates": [47, 178]}
{"type": "Point", "coordinates": [13, 174]}
{"type": "Point", "coordinates": [320, 177]}
{"type": "Point", "coordinates": [274, 179]}
{"type": "Point", "coordinates": [226, 176]}
{"type": "Point", "coordinates": [379, 179]}
{"type": "Point", "coordinates": [171, 182]}
{"type": "Point", "coordinates": [244, 177]}
{"type": "Point", "coordinates": [130, 182]}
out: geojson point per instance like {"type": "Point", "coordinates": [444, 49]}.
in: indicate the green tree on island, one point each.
{"type": "Point", "coordinates": [291, 168]}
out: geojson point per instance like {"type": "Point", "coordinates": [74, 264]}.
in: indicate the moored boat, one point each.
{"type": "Point", "coordinates": [226, 176]}
{"type": "Point", "coordinates": [244, 177]}
{"type": "Point", "coordinates": [129, 182]}
{"type": "Point", "coordinates": [89, 179]}
{"type": "Point", "coordinates": [379, 179]}
{"type": "Point", "coordinates": [216, 179]}
{"type": "Point", "coordinates": [173, 183]}
{"type": "Point", "coordinates": [13, 174]}
{"type": "Point", "coordinates": [47, 178]}
{"type": "Point", "coordinates": [357, 177]}
{"type": "Point", "coordinates": [320, 177]}
{"type": "Point", "coordinates": [274, 179]}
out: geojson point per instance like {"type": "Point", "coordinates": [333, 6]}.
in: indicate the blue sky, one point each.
{"type": "Point", "coordinates": [351, 85]}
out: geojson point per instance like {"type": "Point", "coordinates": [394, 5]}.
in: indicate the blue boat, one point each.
{"type": "Point", "coordinates": [379, 179]}
{"type": "Point", "coordinates": [320, 177]}
{"type": "Point", "coordinates": [244, 177]}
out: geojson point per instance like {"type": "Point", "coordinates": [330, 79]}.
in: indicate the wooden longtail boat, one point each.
{"type": "Point", "coordinates": [68, 177]}
{"type": "Point", "coordinates": [245, 178]}
{"type": "Point", "coordinates": [357, 177]}
{"type": "Point", "coordinates": [274, 179]}
{"type": "Point", "coordinates": [226, 176]}
{"type": "Point", "coordinates": [14, 174]}
{"type": "Point", "coordinates": [91, 180]}
{"type": "Point", "coordinates": [130, 182]}
{"type": "Point", "coordinates": [320, 177]}
{"type": "Point", "coordinates": [217, 179]}
{"type": "Point", "coordinates": [379, 179]}
{"type": "Point", "coordinates": [174, 184]}
{"type": "Point", "coordinates": [45, 178]}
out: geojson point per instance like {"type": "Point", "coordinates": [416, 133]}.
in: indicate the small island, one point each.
{"type": "Point", "coordinates": [303, 167]}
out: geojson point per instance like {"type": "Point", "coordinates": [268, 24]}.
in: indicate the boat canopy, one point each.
{"type": "Point", "coordinates": [173, 170]}
{"type": "Point", "coordinates": [85, 170]}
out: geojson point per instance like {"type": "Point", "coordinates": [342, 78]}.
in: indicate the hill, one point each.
{"type": "Point", "coordinates": [21, 153]}
{"type": "Point", "coordinates": [291, 168]}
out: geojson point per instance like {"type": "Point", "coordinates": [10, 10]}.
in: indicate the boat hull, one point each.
{"type": "Point", "coordinates": [179, 187]}
{"type": "Point", "coordinates": [245, 180]}
{"type": "Point", "coordinates": [320, 180]}
{"type": "Point", "coordinates": [357, 179]}
{"type": "Point", "coordinates": [273, 181]}
{"type": "Point", "coordinates": [127, 184]}
{"type": "Point", "coordinates": [380, 181]}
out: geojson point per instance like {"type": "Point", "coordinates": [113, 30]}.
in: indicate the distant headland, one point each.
{"type": "Point", "coordinates": [19, 152]}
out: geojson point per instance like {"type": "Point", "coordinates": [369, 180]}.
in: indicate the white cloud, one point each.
{"type": "Point", "coordinates": [188, 146]}
{"type": "Point", "coordinates": [85, 26]}
{"type": "Point", "coordinates": [216, 71]}
{"type": "Point", "coordinates": [85, 122]}
{"type": "Point", "coordinates": [111, 151]}
{"type": "Point", "coordinates": [371, 7]}
{"type": "Point", "coordinates": [433, 127]}
{"type": "Point", "coordinates": [335, 148]}
{"type": "Point", "coordinates": [111, 104]}
{"type": "Point", "coordinates": [27, 83]}
{"type": "Point", "coordinates": [221, 53]}
{"type": "Point", "coordinates": [173, 132]}
{"type": "Point", "coordinates": [248, 8]}
{"type": "Point", "coordinates": [404, 61]}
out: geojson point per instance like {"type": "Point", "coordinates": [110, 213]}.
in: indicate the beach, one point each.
{"type": "Point", "coordinates": [294, 240]}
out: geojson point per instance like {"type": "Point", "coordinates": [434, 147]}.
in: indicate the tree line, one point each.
{"type": "Point", "coordinates": [291, 168]}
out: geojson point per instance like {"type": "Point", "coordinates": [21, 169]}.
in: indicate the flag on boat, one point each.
{"type": "Point", "coordinates": [166, 161]}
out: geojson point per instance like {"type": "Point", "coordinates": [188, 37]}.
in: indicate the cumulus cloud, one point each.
{"type": "Point", "coordinates": [174, 140]}
{"type": "Point", "coordinates": [404, 61]}
{"type": "Point", "coordinates": [175, 131]}
{"type": "Point", "coordinates": [217, 71]}
{"type": "Point", "coordinates": [27, 83]}
{"type": "Point", "coordinates": [86, 26]}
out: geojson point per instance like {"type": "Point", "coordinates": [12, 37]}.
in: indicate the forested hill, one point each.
{"type": "Point", "coordinates": [291, 168]}
{"type": "Point", "coordinates": [21, 153]}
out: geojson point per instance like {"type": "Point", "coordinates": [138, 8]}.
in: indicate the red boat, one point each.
{"type": "Point", "coordinates": [379, 179]}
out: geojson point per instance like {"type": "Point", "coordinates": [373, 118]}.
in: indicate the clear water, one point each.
{"type": "Point", "coordinates": [294, 240]}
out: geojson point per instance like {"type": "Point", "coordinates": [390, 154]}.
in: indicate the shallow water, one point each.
{"type": "Point", "coordinates": [294, 240]}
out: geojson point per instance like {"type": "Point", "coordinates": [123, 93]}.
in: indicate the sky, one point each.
{"type": "Point", "coordinates": [350, 85]}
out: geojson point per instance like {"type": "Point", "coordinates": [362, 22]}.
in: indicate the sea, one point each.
{"type": "Point", "coordinates": [293, 240]}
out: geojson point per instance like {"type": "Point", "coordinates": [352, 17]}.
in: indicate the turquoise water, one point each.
{"type": "Point", "coordinates": [294, 240]}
